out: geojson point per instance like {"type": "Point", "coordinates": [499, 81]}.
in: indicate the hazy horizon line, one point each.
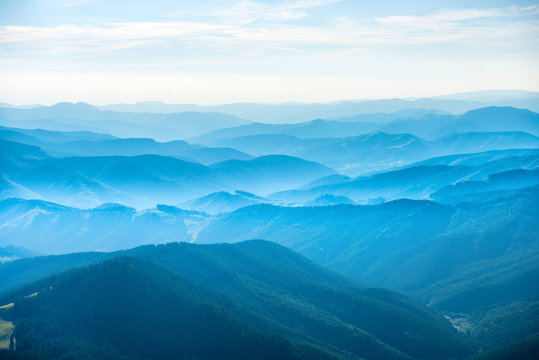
{"type": "Point", "coordinates": [289, 102]}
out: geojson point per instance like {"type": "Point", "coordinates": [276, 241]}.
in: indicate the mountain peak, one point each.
{"type": "Point", "coordinates": [499, 111]}
{"type": "Point", "coordinates": [69, 106]}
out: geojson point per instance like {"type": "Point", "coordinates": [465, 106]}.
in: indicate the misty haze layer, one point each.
{"type": "Point", "coordinates": [438, 206]}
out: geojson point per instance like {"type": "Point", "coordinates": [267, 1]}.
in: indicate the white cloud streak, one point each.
{"type": "Point", "coordinates": [444, 17]}
{"type": "Point", "coordinates": [246, 12]}
{"type": "Point", "coordinates": [342, 35]}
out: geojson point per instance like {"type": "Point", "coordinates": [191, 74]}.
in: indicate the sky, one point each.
{"type": "Point", "coordinates": [215, 52]}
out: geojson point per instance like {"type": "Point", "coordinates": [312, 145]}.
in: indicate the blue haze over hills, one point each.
{"type": "Point", "coordinates": [393, 229]}
{"type": "Point", "coordinates": [269, 179]}
{"type": "Point", "coordinates": [341, 110]}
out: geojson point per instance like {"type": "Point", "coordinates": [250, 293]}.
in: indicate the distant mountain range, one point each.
{"type": "Point", "coordinates": [298, 112]}
{"type": "Point", "coordinates": [348, 147]}
{"type": "Point", "coordinates": [388, 244]}
{"type": "Point", "coordinates": [377, 151]}
{"type": "Point", "coordinates": [426, 125]}
{"type": "Point", "coordinates": [107, 227]}
{"type": "Point", "coordinates": [358, 148]}
{"type": "Point", "coordinates": [465, 260]}
{"type": "Point", "coordinates": [101, 176]}
{"type": "Point", "coordinates": [422, 179]}
{"type": "Point", "coordinates": [144, 180]}
{"type": "Point", "coordinates": [62, 144]}
{"type": "Point", "coordinates": [223, 201]}
{"type": "Point", "coordinates": [423, 199]}
{"type": "Point", "coordinates": [85, 117]}
{"type": "Point", "coordinates": [351, 155]}
{"type": "Point", "coordinates": [490, 188]}
{"type": "Point", "coordinates": [10, 253]}
{"type": "Point", "coordinates": [451, 256]}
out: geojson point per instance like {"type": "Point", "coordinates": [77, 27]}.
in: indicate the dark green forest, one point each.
{"type": "Point", "coordinates": [249, 300]}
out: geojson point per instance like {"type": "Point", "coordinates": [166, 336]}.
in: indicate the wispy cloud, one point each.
{"type": "Point", "coordinates": [246, 12]}
{"type": "Point", "coordinates": [342, 34]}
{"type": "Point", "coordinates": [108, 32]}
{"type": "Point", "coordinates": [444, 17]}
{"type": "Point", "coordinates": [463, 25]}
{"type": "Point", "coordinates": [533, 9]}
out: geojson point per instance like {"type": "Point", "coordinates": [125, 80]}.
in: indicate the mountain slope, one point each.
{"type": "Point", "coordinates": [423, 179]}
{"type": "Point", "coordinates": [221, 202]}
{"type": "Point", "coordinates": [414, 183]}
{"type": "Point", "coordinates": [145, 180]}
{"type": "Point", "coordinates": [504, 324]}
{"type": "Point", "coordinates": [127, 308]}
{"type": "Point", "coordinates": [65, 143]}
{"type": "Point", "coordinates": [425, 124]}
{"type": "Point", "coordinates": [297, 112]}
{"type": "Point", "coordinates": [81, 116]}
{"type": "Point", "coordinates": [491, 188]}
{"type": "Point", "coordinates": [351, 155]}
{"type": "Point", "coordinates": [355, 155]}
{"type": "Point", "coordinates": [53, 229]}
{"type": "Point", "coordinates": [473, 142]}
{"type": "Point", "coordinates": [471, 250]}
{"type": "Point", "coordinates": [283, 293]}
{"type": "Point", "coordinates": [463, 257]}
{"type": "Point", "coordinates": [311, 129]}
{"type": "Point", "coordinates": [38, 136]}
{"type": "Point", "coordinates": [486, 119]}
{"type": "Point", "coordinates": [264, 174]}
{"type": "Point", "coordinates": [481, 158]}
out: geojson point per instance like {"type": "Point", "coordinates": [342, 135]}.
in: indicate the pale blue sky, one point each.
{"type": "Point", "coordinates": [210, 52]}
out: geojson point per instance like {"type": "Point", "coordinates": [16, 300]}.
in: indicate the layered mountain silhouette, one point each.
{"type": "Point", "coordinates": [426, 125]}
{"type": "Point", "coordinates": [73, 143]}
{"type": "Point", "coordinates": [144, 180]}
{"type": "Point", "coordinates": [375, 151]}
{"type": "Point", "coordinates": [388, 244]}
{"type": "Point", "coordinates": [433, 198]}
{"type": "Point", "coordinates": [81, 116]}
{"type": "Point", "coordinates": [298, 112]}
{"type": "Point", "coordinates": [223, 201]}
{"type": "Point", "coordinates": [457, 255]}
{"type": "Point", "coordinates": [423, 179]}
{"type": "Point", "coordinates": [52, 228]}
{"type": "Point", "coordinates": [491, 188]}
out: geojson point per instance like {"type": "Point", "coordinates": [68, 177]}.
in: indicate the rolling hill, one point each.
{"type": "Point", "coordinates": [427, 125]}
{"type": "Point", "coordinates": [276, 291]}
{"type": "Point", "coordinates": [372, 152]}
{"type": "Point", "coordinates": [471, 250]}
{"type": "Point", "coordinates": [488, 189]}
{"type": "Point", "coordinates": [72, 143]}
{"type": "Point", "coordinates": [84, 117]}
{"type": "Point", "coordinates": [299, 112]}
{"type": "Point", "coordinates": [468, 251]}
{"type": "Point", "coordinates": [136, 309]}
{"type": "Point", "coordinates": [51, 229]}
{"type": "Point", "coordinates": [145, 180]}
{"type": "Point", "coordinates": [444, 211]}
{"type": "Point", "coordinates": [222, 202]}
{"type": "Point", "coordinates": [425, 178]}
{"type": "Point", "coordinates": [311, 129]}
